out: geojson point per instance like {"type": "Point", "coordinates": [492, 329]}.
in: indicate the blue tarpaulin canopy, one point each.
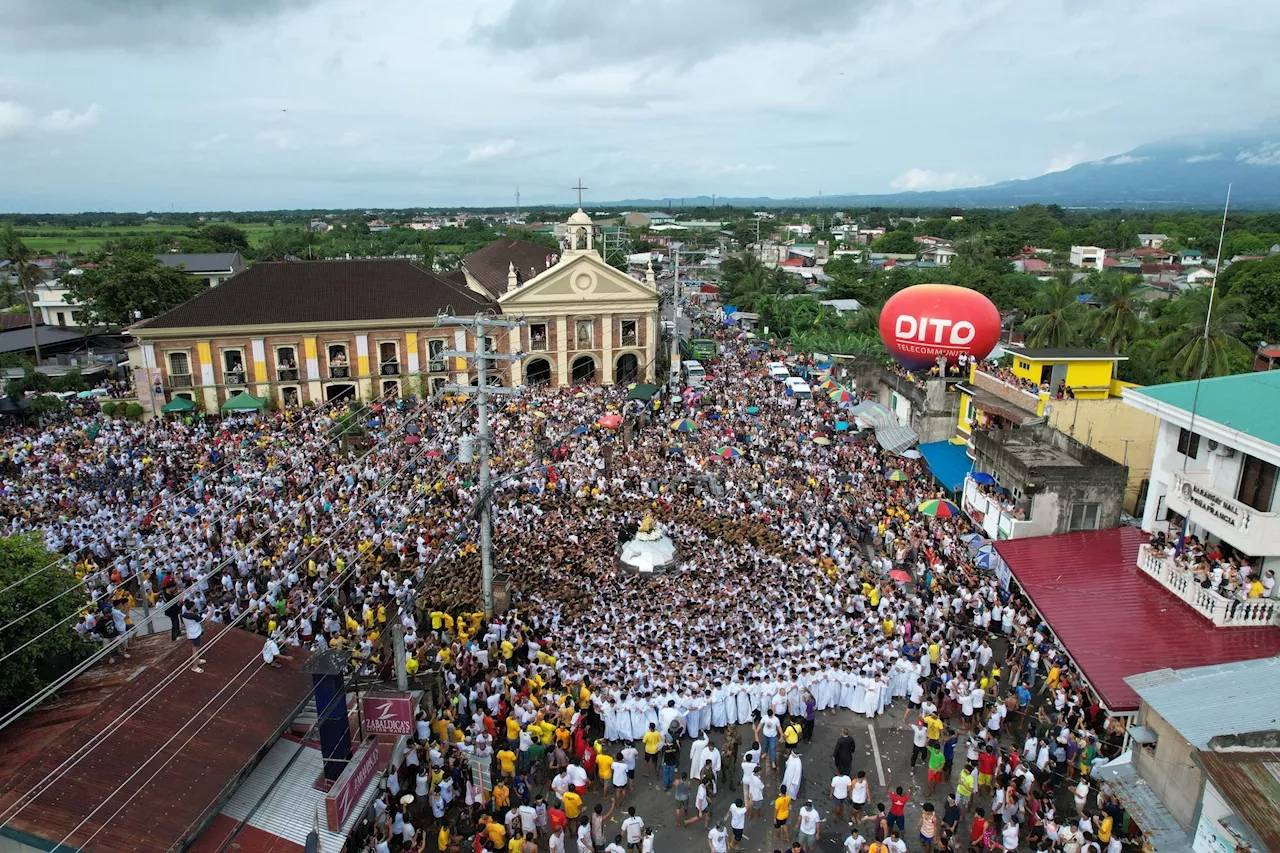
{"type": "Point", "coordinates": [949, 463]}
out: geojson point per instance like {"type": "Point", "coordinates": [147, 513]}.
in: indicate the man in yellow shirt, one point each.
{"type": "Point", "coordinates": [604, 768]}
{"type": "Point", "coordinates": [497, 835]}
{"type": "Point", "coordinates": [513, 729]}
{"type": "Point", "coordinates": [934, 726]}
{"type": "Point", "coordinates": [507, 763]}
{"type": "Point", "coordinates": [572, 804]}
{"type": "Point", "coordinates": [652, 744]}
{"type": "Point", "coordinates": [782, 811]}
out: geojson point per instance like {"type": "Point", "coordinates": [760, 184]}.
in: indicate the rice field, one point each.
{"type": "Point", "coordinates": [48, 240]}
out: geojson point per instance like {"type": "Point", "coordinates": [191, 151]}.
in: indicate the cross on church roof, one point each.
{"type": "Point", "coordinates": [579, 188]}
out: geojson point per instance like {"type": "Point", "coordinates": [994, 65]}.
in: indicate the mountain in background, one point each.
{"type": "Point", "coordinates": [1181, 173]}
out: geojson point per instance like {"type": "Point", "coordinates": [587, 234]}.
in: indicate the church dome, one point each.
{"type": "Point", "coordinates": [580, 218]}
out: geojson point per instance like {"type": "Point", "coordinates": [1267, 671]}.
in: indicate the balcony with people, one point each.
{"type": "Point", "coordinates": [339, 367]}
{"type": "Point", "coordinates": [1217, 582]}
{"type": "Point", "coordinates": [286, 365]}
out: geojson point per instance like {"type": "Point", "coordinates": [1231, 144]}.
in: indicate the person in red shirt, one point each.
{"type": "Point", "coordinates": [556, 817]}
{"type": "Point", "coordinates": [987, 763]}
{"type": "Point", "coordinates": [979, 827]}
{"type": "Point", "coordinates": [898, 808]}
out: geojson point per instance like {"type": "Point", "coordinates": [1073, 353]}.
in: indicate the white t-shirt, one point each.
{"type": "Point", "coordinates": [619, 773]}
{"type": "Point", "coordinates": [920, 735]}
{"type": "Point", "coordinates": [769, 728]}
{"type": "Point", "coordinates": [840, 786]}
{"type": "Point", "coordinates": [270, 650]}
{"type": "Point", "coordinates": [809, 820]}
{"type": "Point", "coordinates": [738, 816]}
{"type": "Point", "coordinates": [1010, 836]}
{"type": "Point", "coordinates": [632, 829]}
{"type": "Point", "coordinates": [854, 843]}
{"type": "Point", "coordinates": [860, 792]}
{"type": "Point", "coordinates": [717, 839]}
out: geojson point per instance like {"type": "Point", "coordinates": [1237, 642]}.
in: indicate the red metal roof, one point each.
{"type": "Point", "coordinates": [1115, 621]}
{"type": "Point", "coordinates": [184, 792]}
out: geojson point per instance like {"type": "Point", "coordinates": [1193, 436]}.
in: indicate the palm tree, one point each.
{"type": "Point", "coordinates": [1119, 317]}
{"type": "Point", "coordinates": [1056, 323]}
{"type": "Point", "coordinates": [12, 247]}
{"type": "Point", "coordinates": [1189, 346]}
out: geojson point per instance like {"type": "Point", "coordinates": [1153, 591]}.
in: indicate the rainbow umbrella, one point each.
{"type": "Point", "coordinates": [829, 384]}
{"type": "Point", "coordinates": [725, 451]}
{"type": "Point", "coordinates": [840, 395]}
{"type": "Point", "coordinates": [939, 508]}
{"type": "Point", "coordinates": [684, 425]}
{"type": "Point", "coordinates": [898, 477]}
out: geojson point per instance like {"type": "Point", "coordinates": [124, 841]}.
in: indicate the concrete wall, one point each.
{"type": "Point", "coordinates": [1116, 430]}
{"type": "Point", "coordinates": [930, 411]}
{"type": "Point", "coordinates": [1172, 774]}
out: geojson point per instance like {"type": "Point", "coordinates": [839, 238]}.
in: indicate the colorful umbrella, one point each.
{"type": "Point", "coordinates": [841, 426]}
{"type": "Point", "coordinates": [898, 477]}
{"type": "Point", "coordinates": [684, 425]}
{"type": "Point", "coordinates": [939, 508]}
{"type": "Point", "coordinates": [578, 430]}
{"type": "Point", "coordinates": [982, 477]}
{"type": "Point", "coordinates": [970, 537]}
{"type": "Point", "coordinates": [900, 576]}
{"type": "Point", "coordinates": [610, 421]}
{"type": "Point", "coordinates": [727, 452]}
{"type": "Point", "coordinates": [753, 410]}
{"type": "Point", "coordinates": [829, 384]}
{"type": "Point", "coordinates": [822, 440]}
{"type": "Point", "coordinates": [540, 415]}
{"type": "Point", "coordinates": [986, 557]}
{"type": "Point", "coordinates": [840, 395]}
{"type": "Point", "coordinates": [432, 454]}
{"type": "Point", "coordinates": [910, 454]}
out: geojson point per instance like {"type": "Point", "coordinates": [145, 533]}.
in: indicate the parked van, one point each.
{"type": "Point", "coordinates": [778, 371]}
{"type": "Point", "coordinates": [694, 375]}
{"type": "Point", "coordinates": [799, 388]}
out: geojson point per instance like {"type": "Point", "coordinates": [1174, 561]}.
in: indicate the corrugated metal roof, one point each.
{"type": "Point", "coordinates": [1160, 827]}
{"type": "Point", "coordinates": [1113, 620]}
{"type": "Point", "coordinates": [1250, 781]}
{"type": "Point", "coordinates": [185, 791]}
{"type": "Point", "coordinates": [1206, 701]}
{"type": "Point", "coordinates": [289, 810]}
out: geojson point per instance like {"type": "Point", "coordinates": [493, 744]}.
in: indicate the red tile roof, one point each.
{"type": "Point", "coordinates": [1035, 265]}
{"type": "Point", "coordinates": [792, 262]}
{"type": "Point", "coordinates": [1115, 621]}
{"type": "Point", "coordinates": [171, 805]}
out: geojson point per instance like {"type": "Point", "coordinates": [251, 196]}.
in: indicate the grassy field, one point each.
{"type": "Point", "coordinates": [48, 240]}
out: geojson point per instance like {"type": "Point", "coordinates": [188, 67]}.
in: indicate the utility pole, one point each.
{"type": "Point", "coordinates": [479, 324]}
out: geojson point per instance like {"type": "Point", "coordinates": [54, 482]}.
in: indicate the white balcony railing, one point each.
{"type": "Point", "coordinates": [1240, 526]}
{"type": "Point", "coordinates": [1222, 611]}
{"type": "Point", "coordinates": [994, 519]}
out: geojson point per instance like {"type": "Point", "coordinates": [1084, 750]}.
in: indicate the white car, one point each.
{"type": "Point", "coordinates": [778, 371]}
{"type": "Point", "coordinates": [799, 388]}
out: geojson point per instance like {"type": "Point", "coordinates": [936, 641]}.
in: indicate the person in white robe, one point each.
{"type": "Point", "coordinates": [719, 707]}
{"type": "Point", "coordinates": [696, 758]}
{"type": "Point", "coordinates": [791, 775]}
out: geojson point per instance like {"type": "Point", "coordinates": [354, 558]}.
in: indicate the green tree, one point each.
{"type": "Point", "coordinates": [896, 243]}
{"type": "Point", "coordinates": [1189, 345]}
{"type": "Point", "coordinates": [1056, 322]}
{"type": "Point", "coordinates": [224, 238]}
{"type": "Point", "coordinates": [28, 274]}
{"type": "Point", "coordinates": [1119, 316]}
{"type": "Point", "coordinates": [133, 281]}
{"type": "Point", "coordinates": [1257, 283]}
{"type": "Point", "coordinates": [29, 670]}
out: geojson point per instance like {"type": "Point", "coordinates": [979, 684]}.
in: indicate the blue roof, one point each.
{"type": "Point", "coordinates": [949, 463]}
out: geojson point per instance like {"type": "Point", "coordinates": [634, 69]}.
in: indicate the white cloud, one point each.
{"type": "Point", "coordinates": [490, 150]}
{"type": "Point", "coordinates": [1266, 154]}
{"type": "Point", "coordinates": [212, 142]}
{"type": "Point", "coordinates": [281, 139]}
{"type": "Point", "coordinates": [927, 179]}
{"type": "Point", "coordinates": [746, 169]}
{"type": "Point", "coordinates": [1203, 158]}
{"type": "Point", "coordinates": [1125, 160]}
{"type": "Point", "coordinates": [1065, 161]}
{"type": "Point", "coordinates": [17, 120]}
{"type": "Point", "coordinates": [351, 139]}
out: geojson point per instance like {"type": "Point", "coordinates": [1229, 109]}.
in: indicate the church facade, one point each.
{"type": "Point", "coordinates": [311, 331]}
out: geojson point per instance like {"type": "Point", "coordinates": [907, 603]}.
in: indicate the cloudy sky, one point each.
{"type": "Point", "coordinates": [258, 104]}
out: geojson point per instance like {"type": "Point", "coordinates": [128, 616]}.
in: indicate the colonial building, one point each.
{"type": "Point", "coordinates": [303, 331]}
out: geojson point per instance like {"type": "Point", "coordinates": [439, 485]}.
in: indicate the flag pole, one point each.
{"type": "Point", "coordinates": [1204, 353]}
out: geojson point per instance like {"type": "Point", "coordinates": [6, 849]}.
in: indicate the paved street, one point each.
{"type": "Point", "coordinates": [884, 750]}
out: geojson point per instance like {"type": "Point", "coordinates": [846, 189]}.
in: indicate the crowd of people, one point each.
{"type": "Point", "coordinates": [1215, 567]}
{"type": "Point", "coordinates": [808, 583]}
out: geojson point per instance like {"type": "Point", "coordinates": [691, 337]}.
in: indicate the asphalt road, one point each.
{"type": "Point", "coordinates": [883, 751]}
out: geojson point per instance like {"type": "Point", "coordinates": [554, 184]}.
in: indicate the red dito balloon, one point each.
{"type": "Point", "coordinates": [930, 320]}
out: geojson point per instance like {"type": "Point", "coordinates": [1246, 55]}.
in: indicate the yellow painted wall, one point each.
{"type": "Point", "coordinates": [1095, 376]}
{"type": "Point", "coordinates": [963, 420]}
{"type": "Point", "coordinates": [1116, 430]}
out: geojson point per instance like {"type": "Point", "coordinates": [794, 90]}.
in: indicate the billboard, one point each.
{"type": "Point", "coordinates": [349, 788]}
{"type": "Point", "coordinates": [387, 714]}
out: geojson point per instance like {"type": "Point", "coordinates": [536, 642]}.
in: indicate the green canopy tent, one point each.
{"type": "Point", "coordinates": [244, 403]}
{"type": "Point", "coordinates": [642, 392]}
{"type": "Point", "coordinates": [178, 404]}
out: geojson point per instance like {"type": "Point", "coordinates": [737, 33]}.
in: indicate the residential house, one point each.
{"type": "Point", "coordinates": [802, 229]}
{"type": "Point", "coordinates": [1033, 266]}
{"type": "Point", "coordinates": [938, 253]}
{"type": "Point", "coordinates": [1094, 414]}
{"type": "Point", "coordinates": [1190, 257]}
{"type": "Point", "coordinates": [1216, 477]}
{"type": "Point", "coordinates": [1200, 765]}
{"type": "Point", "coordinates": [1267, 357]}
{"type": "Point", "coordinates": [377, 225]}
{"type": "Point", "coordinates": [1154, 241]}
{"type": "Point", "coordinates": [51, 300]}
{"type": "Point", "coordinates": [319, 226]}
{"type": "Point", "coordinates": [213, 267]}
{"type": "Point", "coordinates": [649, 219]}
{"type": "Point", "coordinates": [1198, 276]}
{"type": "Point", "coordinates": [306, 331]}
{"type": "Point", "coordinates": [1087, 256]}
